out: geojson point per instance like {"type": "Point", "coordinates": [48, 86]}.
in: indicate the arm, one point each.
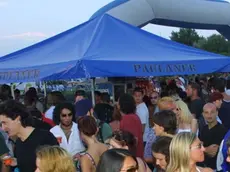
{"type": "Point", "coordinates": [194, 126]}
{"type": "Point", "coordinates": [50, 139]}
{"type": "Point", "coordinates": [4, 167]}
{"type": "Point", "coordinates": [86, 164]}
{"type": "Point", "coordinates": [143, 128]}
{"type": "Point", "coordinates": [144, 116]}
{"type": "Point", "coordinates": [3, 152]}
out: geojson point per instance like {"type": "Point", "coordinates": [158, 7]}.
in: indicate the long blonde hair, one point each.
{"type": "Point", "coordinates": [180, 152]}
{"type": "Point", "coordinates": [185, 114]}
{"type": "Point", "coordinates": [55, 159]}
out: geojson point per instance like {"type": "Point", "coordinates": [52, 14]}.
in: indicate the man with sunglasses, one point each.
{"type": "Point", "coordinates": [66, 130]}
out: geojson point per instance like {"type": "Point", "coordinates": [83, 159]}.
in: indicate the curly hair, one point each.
{"type": "Point", "coordinates": [58, 109]}
{"type": "Point", "coordinates": [13, 109]}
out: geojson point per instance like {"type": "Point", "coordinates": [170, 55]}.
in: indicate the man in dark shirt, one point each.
{"type": "Point", "coordinates": [196, 104]}
{"type": "Point", "coordinates": [16, 121]}
{"type": "Point", "coordinates": [3, 152]}
{"type": "Point", "coordinates": [224, 112]}
{"type": "Point", "coordinates": [104, 110]}
{"type": "Point", "coordinates": [211, 135]}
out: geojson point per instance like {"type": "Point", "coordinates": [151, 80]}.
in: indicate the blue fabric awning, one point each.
{"type": "Point", "coordinates": [106, 47]}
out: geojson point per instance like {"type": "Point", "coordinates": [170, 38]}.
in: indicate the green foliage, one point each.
{"type": "Point", "coordinates": [185, 36]}
{"type": "Point", "coordinates": [214, 43]}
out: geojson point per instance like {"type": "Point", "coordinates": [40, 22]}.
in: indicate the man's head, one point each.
{"type": "Point", "coordinates": [64, 114]}
{"type": "Point", "coordinates": [5, 92]}
{"type": "Point", "coordinates": [105, 97]}
{"type": "Point", "coordinates": [55, 97]}
{"type": "Point", "coordinates": [167, 103]}
{"type": "Point", "coordinates": [138, 95]}
{"type": "Point", "coordinates": [219, 85]}
{"type": "Point", "coordinates": [210, 113]}
{"type": "Point", "coordinates": [17, 93]}
{"type": "Point", "coordinates": [97, 96]}
{"type": "Point", "coordinates": [126, 104]}
{"type": "Point", "coordinates": [193, 89]}
{"type": "Point", "coordinates": [14, 117]}
{"type": "Point", "coordinates": [216, 98]}
{"type": "Point", "coordinates": [79, 95]}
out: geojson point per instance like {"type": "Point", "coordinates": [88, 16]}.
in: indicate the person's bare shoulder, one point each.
{"type": "Point", "coordinates": [206, 169]}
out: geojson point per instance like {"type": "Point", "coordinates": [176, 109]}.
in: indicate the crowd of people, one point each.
{"type": "Point", "coordinates": [174, 130]}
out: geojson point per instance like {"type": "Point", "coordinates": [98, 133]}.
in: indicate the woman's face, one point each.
{"type": "Point", "coordinates": [154, 98]}
{"type": "Point", "coordinates": [38, 164]}
{"type": "Point", "coordinates": [197, 151]}
{"type": "Point", "coordinates": [129, 165]}
{"type": "Point", "coordinates": [160, 160]}
{"type": "Point", "coordinates": [158, 130]}
{"type": "Point", "coordinates": [178, 113]}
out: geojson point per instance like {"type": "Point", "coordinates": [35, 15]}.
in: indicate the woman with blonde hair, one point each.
{"type": "Point", "coordinates": [185, 151]}
{"type": "Point", "coordinates": [55, 159]}
{"type": "Point", "coordinates": [186, 121]}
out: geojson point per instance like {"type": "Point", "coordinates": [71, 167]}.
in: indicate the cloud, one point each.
{"type": "Point", "coordinates": [26, 35]}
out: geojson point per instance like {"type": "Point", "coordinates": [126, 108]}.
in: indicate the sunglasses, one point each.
{"type": "Point", "coordinates": [65, 115]}
{"type": "Point", "coordinates": [155, 97]}
{"type": "Point", "coordinates": [132, 169]}
{"type": "Point", "coordinates": [199, 146]}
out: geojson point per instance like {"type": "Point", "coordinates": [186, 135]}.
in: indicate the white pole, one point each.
{"type": "Point", "coordinates": [93, 82]}
{"type": "Point", "coordinates": [44, 88]}
{"type": "Point", "coordinates": [12, 91]}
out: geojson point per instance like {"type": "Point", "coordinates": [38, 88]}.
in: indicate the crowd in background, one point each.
{"type": "Point", "coordinates": [182, 128]}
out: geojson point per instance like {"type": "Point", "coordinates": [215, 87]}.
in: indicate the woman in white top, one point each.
{"type": "Point", "coordinates": [185, 151]}
{"type": "Point", "coordinates": [186, 121]}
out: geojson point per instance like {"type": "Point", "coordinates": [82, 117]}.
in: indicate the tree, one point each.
{"type": "Point", "coordinates": [214, 43]}
{"type": "Point", "coordinates": [217, 44]}
{"type": "Point", "coordinates": [185, 36]}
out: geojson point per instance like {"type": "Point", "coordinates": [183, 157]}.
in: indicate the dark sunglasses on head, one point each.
{"type": "Point", "coordinates": [65, 115]}
{"type": "Point", "coordinates": [132, 169]}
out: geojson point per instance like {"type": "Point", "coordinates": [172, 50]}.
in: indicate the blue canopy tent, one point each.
{"type": "Point", "coordinates": [106, 47]}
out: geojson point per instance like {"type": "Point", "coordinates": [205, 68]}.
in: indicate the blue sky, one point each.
{"type": "Point", "coordinates": [26, 22]}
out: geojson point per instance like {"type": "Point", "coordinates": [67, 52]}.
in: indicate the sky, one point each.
{"type": "Point", "coordinates": [26, 22]}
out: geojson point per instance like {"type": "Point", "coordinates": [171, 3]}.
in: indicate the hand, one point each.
{"type": "Point", "coordinates": [212, 150]}
{"type": "Point", "coordinates": [14, 162]}
{"type": "Point", "coordinates": [77, 157]}
{"type": "Point", "coordinates": [10, 162]}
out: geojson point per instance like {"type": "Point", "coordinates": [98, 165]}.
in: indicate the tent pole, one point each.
{"type": "Point", "coordinates": [44, 87]}
{"type": "Point", "coordinates": [93, 82]}
{"type": "Point", "coordinates": [12, 91]}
